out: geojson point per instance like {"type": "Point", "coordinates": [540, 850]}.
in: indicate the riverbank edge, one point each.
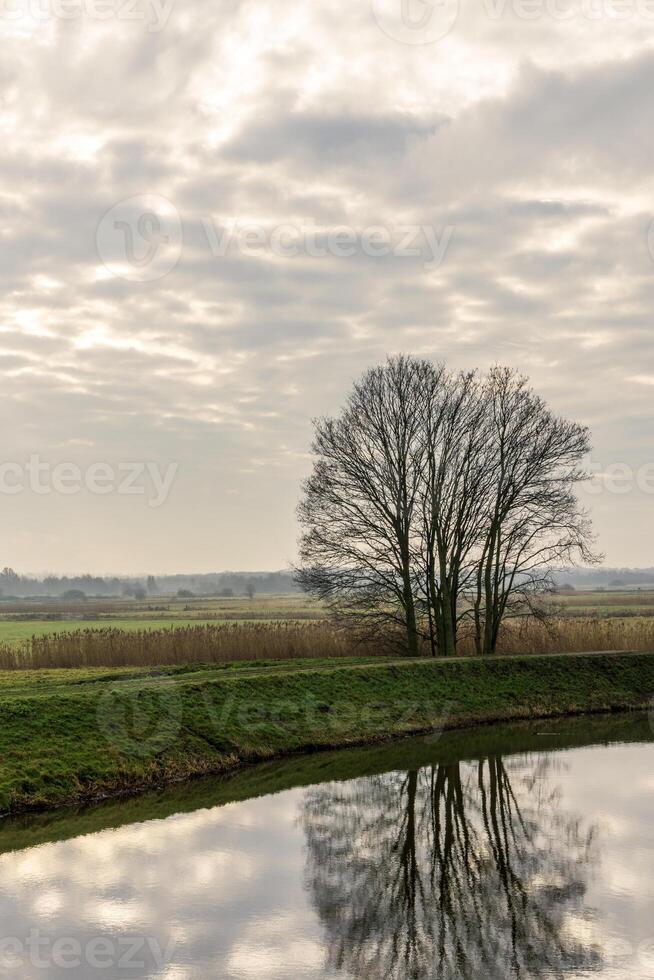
{"type": "Point", "coordinates": [76, 748]}
{"type": "Point", "coordinates": [29, 829]}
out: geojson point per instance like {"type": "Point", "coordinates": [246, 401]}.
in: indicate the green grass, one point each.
{"type": "Point", "coordinates": [607, 603]}
{"type": "Point", "coordinates": [29, 830]}
{"type": "Point", "coordinates": [12, 632]}
{"type": "Point", "coordinates": [70, 736]}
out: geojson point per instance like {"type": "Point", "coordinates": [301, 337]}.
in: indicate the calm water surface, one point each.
{"type": "Point", "coordinates": [509, 852]}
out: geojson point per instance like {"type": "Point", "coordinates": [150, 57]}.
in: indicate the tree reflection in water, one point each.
{"type": "Point", "coordinates": [452, 871]}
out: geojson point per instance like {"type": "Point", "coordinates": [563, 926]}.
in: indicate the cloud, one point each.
{"type": "Point", "coordinates": [322, 141]}
{"type": "Point", "coordinates": [530, 140]}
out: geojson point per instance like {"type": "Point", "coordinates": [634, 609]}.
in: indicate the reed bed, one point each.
{"type": "Point", "coordinates": [228, 643]}
{"type": "Point", "coordinates": [189, 644]}
{"type": "Point", "coordinates": [573, 636]}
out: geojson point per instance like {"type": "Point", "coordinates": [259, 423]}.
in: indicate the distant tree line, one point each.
{"type": "Point", "coordinates": [612, 578]}
{"type": "Point", "coordinates": [13, 585]}
{"type": "Point", "coordinates": [440, 503]}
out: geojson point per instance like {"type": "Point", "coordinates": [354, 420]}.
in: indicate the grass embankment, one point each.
{"type": "Point", "coordinates": [75, 735]}
{"type": "Point", "coordinates": [32, 829]}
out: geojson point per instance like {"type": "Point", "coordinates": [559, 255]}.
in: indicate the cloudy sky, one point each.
{"type": "Point", "coordinates": [216, 214]}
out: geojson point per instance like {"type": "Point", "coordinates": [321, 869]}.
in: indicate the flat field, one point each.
{"type": "Point", "coordinates": [610, 604]}
{"type": "Point", "coordinates": [24, 619]}
{"type": "Point", "coordinates": [172, 629]}
{"type": "Point", "coordinates": [19, 621]}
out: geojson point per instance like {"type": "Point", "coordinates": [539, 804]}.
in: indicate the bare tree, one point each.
{"type": "Point", "coordinates": [439, 502]}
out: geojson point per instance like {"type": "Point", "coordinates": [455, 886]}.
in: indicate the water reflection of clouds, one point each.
{"type": "Point", "coordinates": [276, 949]}
{"type": "Point", "coordinates": [229, 885]}
{"type": "Point", "coordinates": [617, 786]}
{"type": "Point", "coordinates": [224, 884]}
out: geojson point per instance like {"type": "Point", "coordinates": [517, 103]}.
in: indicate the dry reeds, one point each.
{"type": "Point", "coordinates": [111, 647]}
{"type": "Point", "coordinates": [572, 636]}
{"type": "Point", "coordinates": [189, 644]}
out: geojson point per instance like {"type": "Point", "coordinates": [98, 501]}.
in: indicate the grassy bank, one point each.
{"type": "Point", "coordinates": [32, 829]}
{"type": "Point", "coordinates": [68, 736]}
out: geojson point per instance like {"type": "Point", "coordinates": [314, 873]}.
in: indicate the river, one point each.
{"type": "Point", "coordinates": [510, 851]}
